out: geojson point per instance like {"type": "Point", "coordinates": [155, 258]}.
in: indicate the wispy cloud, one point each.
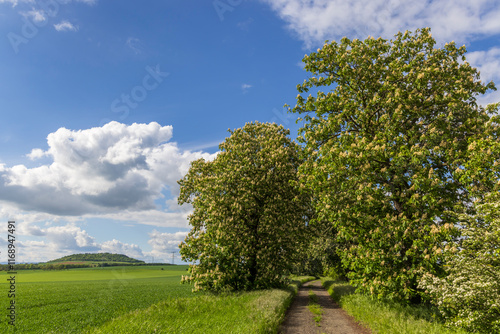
{"type": "Point", "coordinates": [65, 26]}
{"type": "Point", "coordinates": [245, 25]}
{"type": "Point", "coordinates": [35, 15]}
{"type": "Point", "coordinates": [197, 146]}
{"type": "Point", "coordinates": [14, 3]}
{"type": "Point", "coordinates": [245, 87]}
{"type": "Point", "coordinates": [88, 2]}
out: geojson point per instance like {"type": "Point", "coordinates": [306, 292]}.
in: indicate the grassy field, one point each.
{"type": "Point", "coordinates": [136, 300]}
{"type": "Point", "coordinates": [97, 274]}
{"type": "Point", "coordinates": [386, 317]}
{"type": "Point", "coordinates": [68, 301]}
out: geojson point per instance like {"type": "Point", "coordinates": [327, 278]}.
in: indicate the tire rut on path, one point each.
{"type": "Point", "coordinates": [299, 320]}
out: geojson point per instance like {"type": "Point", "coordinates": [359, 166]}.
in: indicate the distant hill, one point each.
{"type": "Point", "coordinates": [96, 257]}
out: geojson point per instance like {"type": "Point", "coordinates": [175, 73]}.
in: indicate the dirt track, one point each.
{"type": "Point", "coordinates": [299, 320]}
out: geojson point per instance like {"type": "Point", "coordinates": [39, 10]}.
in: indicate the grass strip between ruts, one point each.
{"type": "Point", "coordinates": [315, 308]}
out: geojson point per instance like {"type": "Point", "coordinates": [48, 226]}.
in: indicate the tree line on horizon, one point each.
{"type": "Point", "coordinates": [87, 260]}
{"type": "Point", "coordinates": [97, 257]}
{"type": "Point", "coordinates": [393, 184]}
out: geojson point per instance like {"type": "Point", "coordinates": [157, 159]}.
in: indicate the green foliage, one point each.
{"type": "Point", "coordinates": [386, 147]}
{"type": "Point", "coordinates": [468, 295]}
{"type": "Point", "coordinates": [337, 274]}
{"type": "Point", "coordinates": [249, 219]}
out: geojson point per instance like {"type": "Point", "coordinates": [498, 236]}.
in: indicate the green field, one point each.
{"type": "Point", "coordinates": [69, 301]}
{"type": "Point", "coordinates": [97, 274]}
{"type": "Point", "coordinates": [129, 299]}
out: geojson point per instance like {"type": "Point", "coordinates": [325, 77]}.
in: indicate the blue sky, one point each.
{"type": "Point", "coordinates": [103, 104]}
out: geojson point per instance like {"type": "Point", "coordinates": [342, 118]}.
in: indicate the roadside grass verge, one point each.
{"type": "Point", "coordinates": [242, 312]}
{"type": "Point", "coordinates": [385, 317]}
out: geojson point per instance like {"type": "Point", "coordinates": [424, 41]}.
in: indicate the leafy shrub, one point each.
{"type": "Point", "coordinates": [469, 296]}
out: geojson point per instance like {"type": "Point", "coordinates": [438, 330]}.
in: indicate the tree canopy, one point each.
{"type": "Point", "coordinates": [386, 145]}
{"type": "Point", "coordinates": [249, 219]}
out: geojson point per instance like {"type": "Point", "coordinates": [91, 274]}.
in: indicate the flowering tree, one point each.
{"type": "Point", "coordinates": [469, 294]}
{"type": "Point", "coordinates": [386, 145]}
{"type": "Point", "coordinates": [249, 219]}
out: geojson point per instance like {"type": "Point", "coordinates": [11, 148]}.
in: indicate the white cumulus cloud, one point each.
{"type": "Point", "coordinates": [488, 64]}
{"type": "Point", "coordinates": [117, 247]}
{"type": "Point", "coordinates": [318, 20]}
{"type": "Point", "coordinates": [163, 244]}
{"type": "Point", "coordinates": [70, 237]}
{"type": "Point", "coordinates": [103, 170]}
{"type": "Point", "coordinates": [36, 154]}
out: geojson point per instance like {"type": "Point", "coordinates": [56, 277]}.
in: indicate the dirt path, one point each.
{"type": "Point", "coordinates": [299, 320]}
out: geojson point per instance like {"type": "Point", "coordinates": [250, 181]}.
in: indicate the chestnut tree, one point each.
{"type": "Point", "coordinates": [386, 133]}
{"type": "Point", "coordinates": [249, 218]}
